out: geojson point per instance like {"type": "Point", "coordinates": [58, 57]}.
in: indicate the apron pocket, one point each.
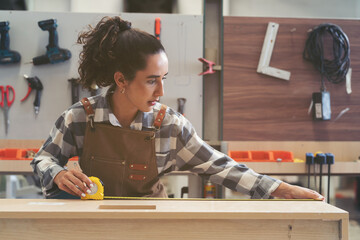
{"type": "Point", "coordinates": [110, 171]}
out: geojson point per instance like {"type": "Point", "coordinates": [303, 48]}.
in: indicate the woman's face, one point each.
{"type": "Point", "coordinates": [147, 86]}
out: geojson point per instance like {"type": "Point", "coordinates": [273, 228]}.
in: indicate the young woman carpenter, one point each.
{"type": "Point", "coordinates": [126, 137]}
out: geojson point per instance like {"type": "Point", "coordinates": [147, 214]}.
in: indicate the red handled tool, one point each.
{"type": "Point", "coordinates": [157, 28]}
{"type": "Point", "coordinates": [6, 103]}
{"type": "Point", "coordinates": [34, 83]}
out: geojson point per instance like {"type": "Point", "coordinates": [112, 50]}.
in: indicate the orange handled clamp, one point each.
{"type": "Point", "coordinates": [207, 66]}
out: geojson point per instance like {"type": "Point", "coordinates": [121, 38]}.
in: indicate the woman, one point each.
{"type": "Point", "coordinates": [126, 137]}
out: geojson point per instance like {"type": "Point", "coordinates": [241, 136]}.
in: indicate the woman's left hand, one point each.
{"type": "Point", "coordinates": [288, 191]}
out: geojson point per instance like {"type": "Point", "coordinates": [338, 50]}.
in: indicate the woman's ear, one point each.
{"type": "Point", "coordinates": [119, 79]}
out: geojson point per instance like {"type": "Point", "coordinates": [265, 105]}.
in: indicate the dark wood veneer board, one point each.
{"type": "Point", "coordinates": [259, 107]}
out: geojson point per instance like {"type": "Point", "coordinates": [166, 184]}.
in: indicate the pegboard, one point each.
{"type": "Point", "coordinates": [259, 107]}
{"type": "Point", "coordinates": [181, 35]}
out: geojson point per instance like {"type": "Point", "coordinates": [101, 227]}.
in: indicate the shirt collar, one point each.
{"type": "Point", "coordinates": [143, 120]}
{"type": "Point", "coordinates": [136, 124]}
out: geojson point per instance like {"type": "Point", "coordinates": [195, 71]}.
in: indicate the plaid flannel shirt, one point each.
{"type": "Point", "coordinates": [178, 148]}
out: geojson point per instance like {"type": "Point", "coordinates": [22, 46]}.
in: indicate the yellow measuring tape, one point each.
{"type": "Point", "coordinates": [97, 193]}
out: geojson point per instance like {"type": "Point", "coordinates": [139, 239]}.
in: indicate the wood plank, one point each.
{"type": "Point", "coordinates": [156, 229]}
{"type": "Point", "coordinates": [261, 108]}
{"type": "Point", "coordinates": [251, 219]}
{"type": "Point", "coordinates": [169, 209]}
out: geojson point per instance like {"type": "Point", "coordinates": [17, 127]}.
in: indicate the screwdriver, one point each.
{"type": "Point", "coordinates": [157, 28]}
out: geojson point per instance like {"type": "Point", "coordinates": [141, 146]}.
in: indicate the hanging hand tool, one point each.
{"type": "Point", "coordinates": [181, 105]}
{"type": "Point", "coordinates": [54, 54]}
{"type": "Point", "coordinates": [208, 66]}
{"type": "Point", "coordinates": [309, 162]}
{"type": "Point", "coordinates": [157, 28]}
{"type": "Point", "coordinates": [320, 158]}
{"type": "Point", "coordinates": [74, 90]}
{"type": "Point", "coordinates": [6, 103]}
{"type": "Point", "coordinates": [330, 159]}
{"type": "Point", "coordinates": [34, 83]}
{"type": "Point", "coordinates": [6, 55]}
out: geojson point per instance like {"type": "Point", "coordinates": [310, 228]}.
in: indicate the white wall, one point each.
{"type": "Point", "coordinates": [192, 7]}
{"type": "Point", "coordinates": [188, 7]}
{"type": "Point", "coordinates": [293, 8]}
{"type": "Point", "coordinates": [110, 6]}
{"type": "Point", "coordinates": [48, 6]}
{"type": "Point", "coordinates": [264, 8]}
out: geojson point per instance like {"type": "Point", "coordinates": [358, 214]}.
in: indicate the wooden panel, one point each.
{"type": "Point", "coordinates": [156, 229]}
{"type": "Point", "coordinates": [260, 107]}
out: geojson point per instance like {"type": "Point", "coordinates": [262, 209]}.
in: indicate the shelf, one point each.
{"type": "Point", "coordinates": [286, 168]}
{"type": "Point", "coordinates": [269, 168]}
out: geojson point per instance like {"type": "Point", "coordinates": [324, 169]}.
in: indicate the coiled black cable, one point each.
{"type": "Point", "coordinates": [334, 70]}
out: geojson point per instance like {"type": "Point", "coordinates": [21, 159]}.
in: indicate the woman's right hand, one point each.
{"type": "Point", "coordinates": [74, 182]}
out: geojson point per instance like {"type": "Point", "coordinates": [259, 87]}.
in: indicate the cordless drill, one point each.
{"type": "Point", "coordinates": [54, 54]}
{"type": "Point", "coordinates": [6, 55]}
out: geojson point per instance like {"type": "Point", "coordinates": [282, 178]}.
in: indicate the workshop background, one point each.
{"type": "Point", "coordinates": [233, 107]}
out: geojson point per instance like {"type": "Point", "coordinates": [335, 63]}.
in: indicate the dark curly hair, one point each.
{"type": "Point", "coordinates": [114, 46]}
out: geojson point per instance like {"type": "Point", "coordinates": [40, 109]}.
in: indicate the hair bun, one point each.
{"type": "Point", "coordinates": [122, 24]}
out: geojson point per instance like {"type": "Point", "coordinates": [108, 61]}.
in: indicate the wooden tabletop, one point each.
{"type": "Point", "coordinates": [169, 209]}
{"type": "Point", "coordinates": [171, 219]}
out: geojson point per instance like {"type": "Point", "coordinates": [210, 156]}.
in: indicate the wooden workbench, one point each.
{"type": "Point", "coordinates": [170, 219]}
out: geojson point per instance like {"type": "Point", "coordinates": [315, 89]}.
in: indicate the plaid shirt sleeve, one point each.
{"type": "Point", "coordinates": [58, 148]}
{"type": "Point", "coordinates": [191, 153]}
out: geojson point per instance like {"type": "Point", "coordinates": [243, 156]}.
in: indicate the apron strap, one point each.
{"type": "Point", "coordinates": [160, 117]}
{"type": "Point", "coordinates": [89, 110]}
{"type": "Point", "coordinates": [90, 113]}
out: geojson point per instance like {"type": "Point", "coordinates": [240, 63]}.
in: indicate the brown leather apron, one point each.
{"type": "Point", "coordinates": [123, 159]}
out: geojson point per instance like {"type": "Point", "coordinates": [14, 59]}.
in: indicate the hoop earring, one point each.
{"type": "Point", "coordinates": [122, 90]}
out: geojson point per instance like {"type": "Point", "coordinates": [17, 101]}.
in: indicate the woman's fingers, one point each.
{"type": "Point", "coordinates": [76, 180]}
{"type": "Point", "coordinates": [315, 195]}
{"type": "Point", "coordinates": [73, 182]}
{"type": "Point", "coordinates": [68, 190]}
{"type": "Point", "coordinates": [305, 193]}
{"type": "Point", "coordinates": [288, 191]}
{"type": "Point", "coordinates": [87, 183]}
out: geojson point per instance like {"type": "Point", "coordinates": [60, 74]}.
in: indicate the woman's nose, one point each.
{"type": "Point", "coordinates": [160, 89]}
